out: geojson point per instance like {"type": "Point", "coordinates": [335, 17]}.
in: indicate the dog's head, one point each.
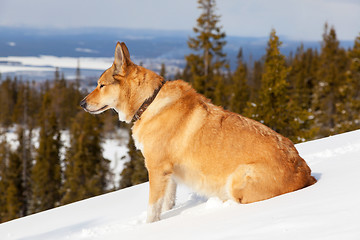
{"type": "Point", "coordinates": [123, 87]}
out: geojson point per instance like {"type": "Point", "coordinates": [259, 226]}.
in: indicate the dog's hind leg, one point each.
{"type": "Point", "coordinates": [159, 181]}
{"type": "Point", "coordinates": [240, 182]}
{"type": "Point", "coordinates": [253, 183]}
{"type": "Point", "coordinates": [170, 194]}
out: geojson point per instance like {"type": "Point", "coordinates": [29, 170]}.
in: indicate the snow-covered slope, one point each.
{"type": "Point", "coordinates": [327, 210]}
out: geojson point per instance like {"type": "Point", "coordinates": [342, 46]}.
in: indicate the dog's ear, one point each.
{"type": "Point", "coordinates": [122, 57]}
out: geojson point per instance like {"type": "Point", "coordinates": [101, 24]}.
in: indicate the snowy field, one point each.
{"type": "Point", "coordinates": [48, 63]}
{"type": "Point", "coordinates": [44, 66]}
{"type": "Point", "coordinates": [327, 210]}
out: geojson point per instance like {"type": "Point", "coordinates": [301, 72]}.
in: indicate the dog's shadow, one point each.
{"type": "Point", "coordinates": [316, 175]}
{"type": "Point", "coordinates": [194, 200]}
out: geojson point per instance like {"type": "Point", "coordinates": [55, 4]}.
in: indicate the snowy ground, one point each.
{"type": "Point", "coordinates": [43, 67]}
{"type": "Point", "coordinates": [48, 63]}
{"type": "Point", "coordinates": [327, 210]}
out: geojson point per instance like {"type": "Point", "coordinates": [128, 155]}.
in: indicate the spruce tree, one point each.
{"type": "Point", "coordinates": [86, 171]}
{"type": "Point", "coordinates": [46, 173]}
{"type": "Point", "coordinates": [14, 191]}
{"type": "Point", "coordinates": [330, 91]}
{"type": "Point", "coordinates": [4, 159]}
{"type": "Point", "coordinates": [17, 180]}
{"type": "Point", "coordinates": [24, 153]}
{"type": "Point", "coordinates": [302, 76]}
{"type": "Point", "coordinates": [18, 111]}
{"type": "Point", "coordinates": [255, 79]}
{"type": "Point", "coordinates": [78, 75]}
{"type": "Point", "coordinates": [163, 70]}
{"type": "Point", "coordinates": [60, 103]}
{"type": "Point", "coordinates": [207, 61]}
{"type": "Point", "coordinates": [8, 96]}
{"type": "Point", "coordinates": [239, 87]}
{"type": "Point", "coordinates": [134, 171]}
{"type": "Point", "coordinates": [353, 79]}
{"type": "Point", "coordinates": [274, 106]}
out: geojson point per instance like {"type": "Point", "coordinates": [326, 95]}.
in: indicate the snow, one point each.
{"type": "Point", "coordinates": [48, 63]}
{"type": "Point", "coordinates": [328, 209]}
{"type": "Point", "coordinates": [115, 150]}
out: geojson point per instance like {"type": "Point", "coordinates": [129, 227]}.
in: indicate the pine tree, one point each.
{"type": "Point", "coordinates": [18, 111]}
{"type": "Point", "coordinates": [302, 76]}
{"type": "Point", "coordinates": [255, 80]}
{"type": "Point", "coordinates": [4, 159]}
{"type": "Point", "coordinates": [14, 191]}
{"type": "Point", "coordinates": [24, 153]}
{"type": "Point", "coordinates": [330, 91]}
{"type": "Point", "coordinates": [208, 60]}
{"type": "Point", "coordinates": [78, 75]}
{"type": "Point", "coordinates": [46, 173]}
{"type": "Point", "coordinates": [134, 171]}
{"type": "Point", "coordinates": [60, 103]}
{"type": "Point", "coordinates": [163, 70]}
{"type": "Point", "coordinates": [17, 179]}
{"type": "Point", "coordinates": [239, 87]}
{"type": "Point", "coordinates": [274, 106]}
{"type": "Point", "coordinates": [186, 74]}
{"type": "Point", "coordinates": [87, 171]}
{"type": "Point", "coordinates": [353, 79]}
{"type": "Point", "coordinates": [57, 74]}
{"type": "Point", "coordinates": [8, 96]}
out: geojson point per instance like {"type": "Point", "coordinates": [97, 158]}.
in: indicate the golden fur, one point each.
{"type": "Point", "coordinates": [185, 138]}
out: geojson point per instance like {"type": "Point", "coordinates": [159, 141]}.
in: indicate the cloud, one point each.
{"type": "Point", "coordinates": [85, 50]}
{"type": "Point", "coordinates": [11, 44]}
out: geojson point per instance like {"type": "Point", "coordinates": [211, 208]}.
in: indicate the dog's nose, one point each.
{"type": "Point", "coordinates": [83, 103]}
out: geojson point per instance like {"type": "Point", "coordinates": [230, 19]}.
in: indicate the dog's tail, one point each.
{"type": "Point", "coordinates": [311, 181]}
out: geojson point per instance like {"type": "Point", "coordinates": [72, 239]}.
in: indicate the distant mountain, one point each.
{"type": "Point", "coordinates": [143, 44]}
{"type": "Point", "coordinates": [91, 42]}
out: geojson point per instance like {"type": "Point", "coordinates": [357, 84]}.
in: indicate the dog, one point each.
{"type": "Point", "coordinates": [186, 139]}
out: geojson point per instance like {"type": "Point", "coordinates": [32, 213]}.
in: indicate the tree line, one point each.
{"type": "Point", "coordinates": [307, 95]}
{"type": "Point", "coordinates": [36, 176]}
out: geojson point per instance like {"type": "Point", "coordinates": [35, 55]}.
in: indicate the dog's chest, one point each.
{"type": "Point", "coordinates": [137, 143]}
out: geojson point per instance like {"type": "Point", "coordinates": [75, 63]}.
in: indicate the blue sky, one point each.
{"type": "Point", "coordinates": [295, 19]}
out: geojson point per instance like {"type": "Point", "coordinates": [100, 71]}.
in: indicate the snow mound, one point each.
{"type": "Point", "coordinates": [327, 210]}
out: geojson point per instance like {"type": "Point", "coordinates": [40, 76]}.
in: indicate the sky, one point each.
{"type": "Point", "coordinates": [295, 19]}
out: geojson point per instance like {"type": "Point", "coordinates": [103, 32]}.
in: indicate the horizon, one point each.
{"type": "Point", "coordinates": [294, 20]}
{"type": "Point", "coordinates": [153, 32]}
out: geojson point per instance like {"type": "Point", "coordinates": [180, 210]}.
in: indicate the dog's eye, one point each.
{"type": "Point", "coordinates": [102, 85]}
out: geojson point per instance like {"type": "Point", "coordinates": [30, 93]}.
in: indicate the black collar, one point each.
{"type": "Point", "coordinates": [146, 104]}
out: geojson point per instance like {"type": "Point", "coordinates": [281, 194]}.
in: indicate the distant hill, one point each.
{"type": "Point", "coordinates": [143, 44]}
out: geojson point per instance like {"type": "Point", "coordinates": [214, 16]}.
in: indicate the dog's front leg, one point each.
{"type": "Point", "coordinates": [158, 181]}
{"type": "Point", "coordinates": [170, 194]}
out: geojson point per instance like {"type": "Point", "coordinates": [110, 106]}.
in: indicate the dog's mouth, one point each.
{"type": "Point", "coordinates": [99, 110]}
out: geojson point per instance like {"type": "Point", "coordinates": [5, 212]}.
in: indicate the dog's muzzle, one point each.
{"type": "Point", "coordinates": [83, 104]}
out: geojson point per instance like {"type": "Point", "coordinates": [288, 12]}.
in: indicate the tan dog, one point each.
{"type": "Point", "coordinates": [185, 138]}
